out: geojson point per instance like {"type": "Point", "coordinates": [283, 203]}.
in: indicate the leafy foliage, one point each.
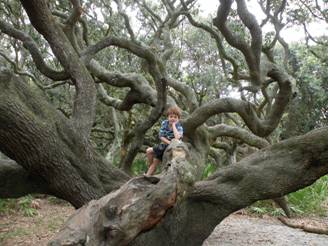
{"type": "Point", "coordinates": [308, 201]}
{"type": "Point", "coordinates": [312, 199]}
{"type": "Point", "coordinates": [139, 166]}
{"type": "Point", "coordinates": [23, 205]}
{"type": "Point", "coordinates": [308, 109]}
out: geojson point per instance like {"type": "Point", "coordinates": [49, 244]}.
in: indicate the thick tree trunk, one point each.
{"type": "Point", "coordinates": [139, 205]}
{"type": "Point", "coordinates": [197, 208]}
{"type": "Point", "coordinates": [46, 145]}
{"type": "Point", "coordinates": [15, 181]}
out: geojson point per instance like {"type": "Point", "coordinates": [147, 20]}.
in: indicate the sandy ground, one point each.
{"type": "Point", "coordinates": [17, 229]}
{"type": "Point", "coordinates": [239, 230]}
{"type": "Point", "coordinates": [236, 230]}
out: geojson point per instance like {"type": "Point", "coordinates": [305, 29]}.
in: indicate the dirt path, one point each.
{"type": "Point", "coordinates": [236, 230]}
{"type": "Point", "coordinates": [241, 230]}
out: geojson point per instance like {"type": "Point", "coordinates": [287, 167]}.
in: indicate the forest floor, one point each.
{"type": "Point", "coordinates": [237, 229]}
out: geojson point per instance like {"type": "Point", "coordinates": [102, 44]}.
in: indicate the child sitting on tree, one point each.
{"type": "Point", "coordinates": [170, 129]}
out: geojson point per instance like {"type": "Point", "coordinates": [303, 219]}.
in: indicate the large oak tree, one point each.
{"type": "Point", "coordinates": [51, 147]}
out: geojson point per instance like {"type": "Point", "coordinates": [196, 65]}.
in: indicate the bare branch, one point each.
{"type": "Point", "coordinates": [256, 33]}
{"type": "Point", "coordinates": [76, 13]}
{"type": "Point", "coordinates": [282, 168]}
{"type": "Point", "coordinates": [32, 47]}
{"type": "Point", "coordinates": [137, 49]}
{"type": "Point", "coordinates": [106, 99]}
{"type": "Point", "coordinates": [126, 19]}
{"type": "Point", "coordinates": [71, 29]}
{"type": "Point", "coordinates": [238, 133]}
{"type": "Point", "coordinates": [139, 131]}
{"type": "Point", "coordinates": [141, 91]}
{"type": "Point", "coordinates": [185, 90]}
{"type": "Point", "coordinates": [214, 34]}
{"type": "Point", "coordinates": [223, 145]}
{"type": "Point", "coordinates": [323, 229]}
{"type": "Point", "coordinates": [278, 25]}
{"type": "Point", "coordinates": [16, 68]}
{"type": "Point", "coordinates": [251, 54]}
{"type": "Point", "coordinates": [245, 109]}
{"type": "Point", "coordinates": [149, 10]}
{"type": "Point", "coordinates": [15, 181]}
{"type": "Point", "coordinates": [85, 97]}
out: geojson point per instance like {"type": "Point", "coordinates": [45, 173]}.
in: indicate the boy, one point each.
{"type": "Point", "coordinates": [170, 129]}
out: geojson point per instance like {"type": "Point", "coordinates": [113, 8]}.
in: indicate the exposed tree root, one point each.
{"type": "Point", "coordinates": [282, 203]}
{"type": "Point", "coordinates": [317, 228]}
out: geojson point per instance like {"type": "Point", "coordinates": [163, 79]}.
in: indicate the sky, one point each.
{"type": "Point", "coordinates": [289, 34]}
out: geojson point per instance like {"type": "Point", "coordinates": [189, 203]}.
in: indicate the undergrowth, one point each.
{"type": "Point", "coordinates": [312, 200]}
{"type": "Point", "coordinates": [23, 205]}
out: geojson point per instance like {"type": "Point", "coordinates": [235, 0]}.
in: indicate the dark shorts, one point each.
{"type": "Point", "coordinates": [159, 150]}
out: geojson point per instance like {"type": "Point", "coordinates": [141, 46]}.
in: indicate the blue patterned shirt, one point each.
{"type": "Point", "coordinates": [167, 132]}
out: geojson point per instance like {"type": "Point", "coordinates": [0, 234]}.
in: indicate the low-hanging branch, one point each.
{"type": "Point", "coordinates": [246, 110]}
{"type": "Point", "coordinates": [144, 202]}
{"type": "Point", "coordinates": [32, 47]}
{"type": "Point", "coordinates": [238, 133]}
{"type": "Point", "coordinates": [15, 181]}
{"type": "Point", "coordinates": [272, 172]}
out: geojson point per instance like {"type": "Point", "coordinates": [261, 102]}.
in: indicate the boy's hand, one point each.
{"type": "Point", "coordinates": [174, 122]}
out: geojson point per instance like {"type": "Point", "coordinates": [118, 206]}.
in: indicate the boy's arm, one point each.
{"type": "Point", "coordinates": [177, 132]}
{"type": "Point", "coordinates": [165, 140]}
{"type": "Point", "coordinates": [162, 133]}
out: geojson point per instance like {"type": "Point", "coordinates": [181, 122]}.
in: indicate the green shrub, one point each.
{"type": "Point", "coordinates": [139, 166]}
{"type": "Point", "coordinates": [309, 200]}
{"type": "Point", "coordinates": [22, 204]}
{"type": "Point", "coordinates": [7, 205]}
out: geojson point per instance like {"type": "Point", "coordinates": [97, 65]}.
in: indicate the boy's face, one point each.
{"type": "Point", "coordinates": [173, 118]}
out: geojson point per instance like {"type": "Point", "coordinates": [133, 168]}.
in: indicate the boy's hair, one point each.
{"type": "Point", "coordinates": [174, 110]}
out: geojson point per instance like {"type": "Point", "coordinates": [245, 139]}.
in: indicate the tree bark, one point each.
{"type": "Point", "coordinates": [15, 181]}
{"type": "Point", "coordinates": [198, 207]}
{"type": "Point", "coordinates": [46, 145]}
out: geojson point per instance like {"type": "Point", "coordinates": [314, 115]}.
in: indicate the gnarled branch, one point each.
{"type": "Point", "coordinates": [32, 47]}
{"type": "Point", "coordinates": [15, 181]}
{"type": "Point", "coordinates": [238, 133]}
{"type": "Point", "coordinates": [85, 97]}
{"type": "Point", "coordinates": [260, 127]}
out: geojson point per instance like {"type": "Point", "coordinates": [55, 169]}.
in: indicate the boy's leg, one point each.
{"type": "Point", "coordinates": [150, 155]}
{"type": "Point", "coordinates": [152, 167]}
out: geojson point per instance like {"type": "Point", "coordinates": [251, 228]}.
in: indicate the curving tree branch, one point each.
{"type": "Point", "coordinates": [289, 165]}
{"type": "Point", "coordinates": [219, 43]}
{"type": "Point", "coordinates": [140, 90]}
{"type": "Point", "coordinates": [139, 131]}
{"type": "Point", "coordinates": [252, 52]}
{"type": "Point", "coordinates": [237, 133]}
{"type": "Point", "coordinates": [137, 49]}
{"type": "Point", "coordinates": [126, 19]}
{"type": "Point", "coordinates": [85, 97]}
{"type": "Point", "coordinates": [76, 13]}
{"type": "Point", "coordinates": [32, 47]}
{"type": "Point", "coordinates": [15, 181]}
{"type": "Point", "coordinates": [247, 111]}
